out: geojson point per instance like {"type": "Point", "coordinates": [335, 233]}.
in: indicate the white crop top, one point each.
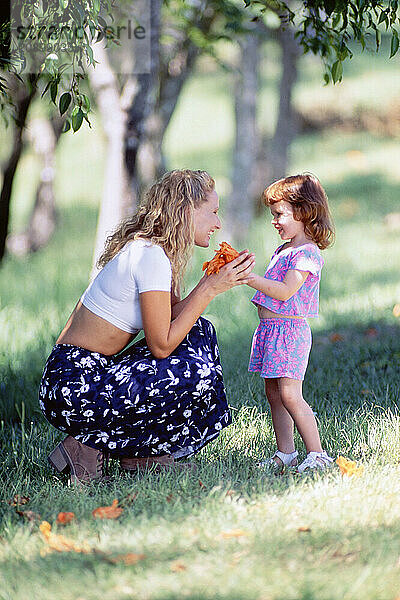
{"type": "Point", "coordinates": [114, 294]}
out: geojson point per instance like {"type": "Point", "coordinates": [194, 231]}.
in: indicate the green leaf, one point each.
{"type": "Point", "coordinates": [90, 54]}
{"type": "Point", "coordinates": [337, 71]}
{"type": "Point", "coordinates": [65, 101]}
{"type": "Point", "coordinates": [77, 118]}
{"type": "Point", "coordinates": [67, 126]}
{"type": "Point", "coordinates": [394, 46]}
{"type": "Point", "coordinates": [53, 90]}
{"type": "Point", "coordinates": [86, 102]}
{"type": "Point", "coordinates": [383, 17]}
{"type": "Point", "coordinates": [45, 89]}
{"type": "Point", "coordinates": [63, 4]}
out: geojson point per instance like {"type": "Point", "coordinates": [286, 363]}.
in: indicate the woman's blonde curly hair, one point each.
{"type": "Point", "coordinates": [165, 218]}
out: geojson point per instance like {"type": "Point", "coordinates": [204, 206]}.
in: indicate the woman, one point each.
{"type": "Point", "coordinates": [162, 398]}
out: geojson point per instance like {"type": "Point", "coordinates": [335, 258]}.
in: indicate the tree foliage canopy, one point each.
{"type": "Point", "coordinates": [323, 27]}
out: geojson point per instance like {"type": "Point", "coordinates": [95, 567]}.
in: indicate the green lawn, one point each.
{"type": "Point", "coordinates": [239, 534]}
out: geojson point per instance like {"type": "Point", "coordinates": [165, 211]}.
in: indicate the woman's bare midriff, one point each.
{"type": "Point", "coordinates": [265, 313]}
{"type": "Point", "coordinates": [87, 330]}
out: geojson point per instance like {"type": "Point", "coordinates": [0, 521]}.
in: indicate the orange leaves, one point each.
{"type": "Point", "coordinates": [349, 467]}
{"type": "Point", "coordinates": [304, 529]}
{"type": "Point", "coordinates": [233, 533]}
{"type": "Point", "coordinates": [18, 500]}
{"type": "Point", "coordinates": [108, 512]}
{"type": "Point", "coordinates": [178, 566]}
{"type": "Point", "coordinates": [131, 558]}
{"type": "Point", "coordinates": [336, 337]}
{"type": "Point", "coordinates": [222, 256]}
{"type": "Point", "coordinates": [63, 518]}
{"type": "Point", "coordinates": [60, 543]}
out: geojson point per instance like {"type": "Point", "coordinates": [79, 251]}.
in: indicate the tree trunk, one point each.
{"type": "Point", "coordinates": [176, 67]}
{"type": "Point", "coordinates": [22, 95]}
{"type": "Point", "coordinates": [286, 125]}
{"type": "Point", "coordinates": [273, 154]}
{"type": "Point", "coordinates": [144, 102]}
{"type": "Point", "coordinates": [44, 135]}
{"type": "Point", "coordinates": [116, 201]}
{"type": "Point", "coordinates": [239, 210]}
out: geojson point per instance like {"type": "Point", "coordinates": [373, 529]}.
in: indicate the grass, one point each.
{"type": "Point", "coordinates": [241, 534]}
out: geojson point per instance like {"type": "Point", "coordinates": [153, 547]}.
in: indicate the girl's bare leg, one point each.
{"type": "Point", "coordinates": [281, 419]}
{"type": "Point", "coordinates": [292, 399]}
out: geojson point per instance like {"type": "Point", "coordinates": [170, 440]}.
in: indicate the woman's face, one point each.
{"type": "Point", "coordinates": [206, 220]}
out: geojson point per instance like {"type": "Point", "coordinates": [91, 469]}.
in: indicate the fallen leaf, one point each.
{"type": "Point", "coordinates": [366, 392]}
{"type": "Point", "coordinates": [201, 484]}
{"type": "Point", "coordinates": [230, 493]}
{"type": "Point", "coordinates": [178, 566]}
{"type": "Point", "coordinates": [356, 159]}
{"type": "Point", "coordinates": [236, 558]}
{"type": "Point", "coordinates": [60, 543]}
{"type": "Point", "coordinates": [347, 557]}
{"type": "Point", "coordinates": [233, 533]}
{"type": "Point", "coordinates": [336, 337]}
{"type": "Point", "coordinates": [371, 332]}
{"type": "Point", "coordinates": [349, 467]}
{"type": "Point", "coordinates": [169, 498]}
{"type": "Point", "coordinates": [348, 208]}
{"type": "Point", "coordinates": [29, 515]}
{"type": "Point", "coordinates": [396, 310]}
{"type": "Point", "coordinates": [131, 558]}
{"type": "Point", "coordinates": [18, 500]}
{"type": "Point", "coordinates": [304, 529]}
{"type": "Point", "coordinates": [223, 255]}
{"type": "Point", "coordinates": [65, 517]}
{"type": "Point", "coordinates": [108, 512]}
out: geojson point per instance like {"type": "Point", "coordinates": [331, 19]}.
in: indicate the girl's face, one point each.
{"type": "Point", "coordinates": [284, 222]}
{"type": "Point", "coordinates": [206, 220]}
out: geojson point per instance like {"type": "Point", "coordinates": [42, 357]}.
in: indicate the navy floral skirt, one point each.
{"type": "Point", "coordinates": [133, 404]}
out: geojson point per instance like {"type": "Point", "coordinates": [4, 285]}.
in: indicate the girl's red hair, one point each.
{"type": "Point", "coordinates": [310, 205]}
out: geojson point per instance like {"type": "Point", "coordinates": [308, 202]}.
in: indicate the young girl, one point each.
{"type": "Point", "coordinates": [286, 296]}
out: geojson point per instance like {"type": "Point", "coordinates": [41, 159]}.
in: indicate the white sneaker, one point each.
{"type": "Point", "coordinates": [315, 460]}
{"type": "Point", "coordinates": [286, 461]}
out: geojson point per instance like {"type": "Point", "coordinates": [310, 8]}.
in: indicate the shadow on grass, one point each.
{"type": "Point", "coordinates": [373, 194]}
{"type": "Point", "coordinates": [349, 368]}
{"type": "Point", "coordinates": [260, 559]}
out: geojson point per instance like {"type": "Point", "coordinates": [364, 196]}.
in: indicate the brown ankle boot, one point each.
{"type": "Point", "coordinates": [84, 462]}
{"type": "Point", "coordinates": [140, 464]}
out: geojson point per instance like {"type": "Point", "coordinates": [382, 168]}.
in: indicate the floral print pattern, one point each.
{"type": "Point", "coordinates": [133, 404]}
{"type": "Point", "coordinates": [281, 348]}
{"type": "Point", "coordinates": [304, 303]}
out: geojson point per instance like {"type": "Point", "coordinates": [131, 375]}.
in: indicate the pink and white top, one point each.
{"type": "Point", "coordinates": [305, 302]}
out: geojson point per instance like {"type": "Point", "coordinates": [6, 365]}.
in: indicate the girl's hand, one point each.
{"type": "Point", "coordinates": [236, 272]}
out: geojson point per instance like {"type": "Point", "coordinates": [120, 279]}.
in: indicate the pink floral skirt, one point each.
{"type": "Point", "coordinates": [281, 348]}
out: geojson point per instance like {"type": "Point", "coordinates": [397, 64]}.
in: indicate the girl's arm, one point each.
{"type": "Point", "coordinates": [164, 335]}
{"type": "Point", "coordinates": [279, 290]}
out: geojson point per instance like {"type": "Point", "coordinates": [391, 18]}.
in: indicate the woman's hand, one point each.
{"type": "Point", "coordinates": [236, 272]}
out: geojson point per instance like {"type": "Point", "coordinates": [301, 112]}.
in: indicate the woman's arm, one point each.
{"type": "Point", "coordinates": [164, 335]}
{"type": "Point", "coordinates": [177, 304]}
{"type": "Point", "coordinates": [279, 290]}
